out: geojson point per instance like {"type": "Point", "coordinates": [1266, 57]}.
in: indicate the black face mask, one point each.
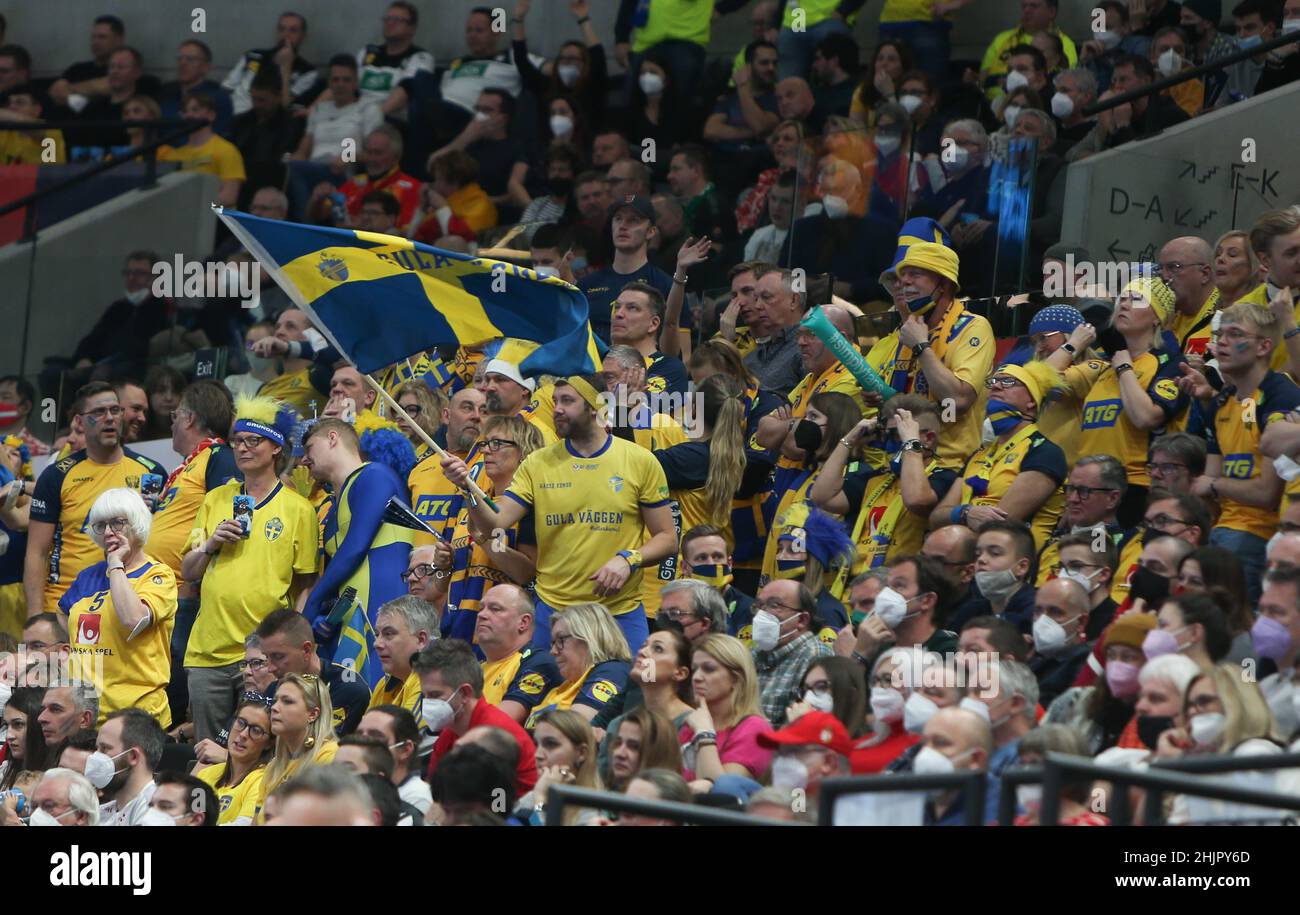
{"type": "Point", "coordinates": [1150, 727]}
{"type": "Point", "coordinates": [808, 436]}
{"type": "Point", "coordinates": [1149, 586]}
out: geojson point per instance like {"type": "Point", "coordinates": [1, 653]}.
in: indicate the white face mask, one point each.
{"type": "Point", "coordinates": [1029, 797]}
{"type": "Point", "coordinates": [651, 83]}
{"type": "Point", "coordinates": [918, 710]}
{"type": "Point", "coordinates": [886, 704]}
{"type": "Point", "coordinates": [1169, 62]}
{"type": "Point", "coordinates": [258, 363]}
{"type": "Point", "coordinates": [891, 607]}
{"type": "Point", "coordinates": [1062, 105]}
{"type": "Point", "coordinates": [765, 631]}
{"type": "Point", "coordinates": [100, 769]}
{"type": "Point", "coordinates": [1109, 39]}
{"type": "Point", "coordinates": [1286, 468]}
{"type": "Point", "coordinates": [997, 586]}
{"type": "Point", "coordinates": [1009, 115]}
{"type": "Point", "coordinates": [437, 713]}
{"type": "Point", "coordinates": [1050, 636]}
{"type": "Point", "coordinates": [819, 702]}
{"type": "Point", "coordinates": [138, 296]}
{"type": "Point", "coordinates": [1207, 729]}
{"type": "Point", "coordinates": [960, 159]}
{"type": "Point", "coordinates": [1082, 579]}
{"type": "Point", "coordinates": [568, 73]}
{"type": "Point", "coordinates": [41, 818]}
{"type": "Point", "coordinates": [789, 772]}
{"type": "Point", "coordinates": [971, 704]}
{"type": "Point", "coordinates": [155, 817]}
{"type": "Point", "coordinates": [561, 125]}
{"type": "Point", "coordinates": [836, 207]}
{"type": "Point", "coordinates": [931, 762]}
{"type": "Point", "coordinates": [1290, 25]}
{"type": "Point", "coordinates": [546, 271]}
{"type": "Point", "coordinates": [910, 103]}
{"type": "Point", "coordinates": [888, 144]}
{"type": "Point", "coordinates": [1016, 80]}
{"type": "Point", "coordinates": [481, 116]}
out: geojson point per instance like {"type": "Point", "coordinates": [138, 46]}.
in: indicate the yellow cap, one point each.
{"type": "Point", "coordinates": [1153, 291]}
{"type": "Point", "coordinates": [927, 255]}
{"type": "Point", "coordinates": [1038, 377]}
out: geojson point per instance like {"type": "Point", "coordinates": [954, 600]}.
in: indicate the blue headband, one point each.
{"type": "Point", "coordinates": [252, 425]}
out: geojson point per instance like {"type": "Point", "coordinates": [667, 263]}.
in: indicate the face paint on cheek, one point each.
{"type": "Point", "coordinates": [1240, 348]}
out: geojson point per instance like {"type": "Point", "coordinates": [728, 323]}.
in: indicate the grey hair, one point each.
{"type": "Point", "coordinates": [331, 782]}
{"type": "Point", "coordinates": [914, 661]}
{"type": "Point", "coordinates": [1112, 471]}
{"type": "Point", "coordinates": [971, 126]}
{"type": "Point", "coordinates": [880, 574]}
{"type": "Point", "coordinates": [276, 194]}
{"type": "Point", "coordinates": [81, 793]}
{"type": "Point", "coordinates": [253, 641]}
{"type": "Point", "coordinates": [626, 356]}
{"type": "Point", "coordinates": [417, 614]}
{"type": "Point", "coordinates": [85, 695]}
{"type": "Point", "coordinates": [1186, 447]}
{"type": "Point", "coordinates": [1015, 679]}
{"type": "Point", "coordinates": [1178, 669]}
{"type": "Point", "coordinates": [706, 602]}
{"type": "Point", "coordinates": [1083, 78]}
{"type": "Point", "coordinates": [393, 135]}
{"type": "Point", "coordinates": [121, 503]}
{"type": "Point", "coordinates": [775, 797]}
{"type": "Point", "coordinates": [1045, 121]}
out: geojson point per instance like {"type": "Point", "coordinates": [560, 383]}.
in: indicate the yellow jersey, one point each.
{"type": "Point", "coordinates": [179, 505]}
{"type": "Point", "coordinates": [655, 432]}
{"type": "Point", "coordinates": [1107, 429]}
{"type": "Point", "coordinates": [1129, 555]}
{"type": "Point", "coordinates": [1232, 431]}
{"type": "Point", "coordinates": [992, 469]}
{"type": "Point", "coordinates": [1050, 554]}
{"type": "Point", "coordinates": [404, 693]}
{"type": "Point", "coordinates": [245, 581]}
{"type": "Point", "coordinates": [1193, 331]}
{"type": "Point", "coordinates": [296, 390]}
{"type": "Point", "coordinates": [598, 685]}
{"type": "Point", "coordinates": [585, 510]}
{"type": "Point", "coordinates": [541, 411]}
{"type": "Point", "coordinates": [216, 156]}
{"type": "Point", "coordinates": [322, 755]}
{"type": "Point", "coordinates": [238, 803]}
{"type": "Point", "coordinates": [434, 499]}
{"type": "Point", "coordinates": [994, 64]}
{"type": "Point", "coordinates": [524, 677]}
{"type": "Point", "coordinates": [964, 343]}
{"type": "Point", "coordinates": [882, 527]}
{"type": "Point", "coordinates": [65, 492]}
{"type": "Point", "coordinates": [136, 669]}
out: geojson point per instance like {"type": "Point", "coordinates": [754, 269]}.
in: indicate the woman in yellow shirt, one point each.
{"type": "Point", "coordinates": [302, 721]}
{"type": "Point", "coordinates": [238, 781]}
{"type": "Point", "coordinates": [593, 657]}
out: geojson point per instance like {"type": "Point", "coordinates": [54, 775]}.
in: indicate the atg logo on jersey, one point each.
{"type": "Point", "coordinates": [274, 528]}
{"type": "Point", "coordinates": [88, 629]}
{"type": "Point", "coordinates": [433, 508]}
{"type": "Point", "coordinates": [1238, 466]}
{"type": "Point", "coordinates": [1101, 414]}
{"type": "Point", "coordinates": [616, 483]}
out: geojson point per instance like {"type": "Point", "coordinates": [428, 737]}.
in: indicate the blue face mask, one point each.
{"type": "Point", "coordinates": [578, 264]}
{"type": "Point", "coordinates": [1002, 416]}
{"type": "Point", "coordinates": [896, 464]}
{"type": "Point", "coordinates": [920, 306]}
{"type": "Point", "coordinates": [1250, 41]}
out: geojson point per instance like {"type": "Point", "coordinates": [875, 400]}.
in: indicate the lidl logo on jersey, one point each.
{"type": "Point", "coordinates": [1238, 466]}
{"type": "Point", "coordinates": [532, 684]}
{"type": "Point", "coordinates": [88, 629]}
{"type": "Point", "coordinates": [274, 528]}
{"type": "Point", "coordinates": [616, 483]}
{"type": "Point", "coordinates": [603, 691]}
{"type": "Point", "coordinates": [1101, 414]}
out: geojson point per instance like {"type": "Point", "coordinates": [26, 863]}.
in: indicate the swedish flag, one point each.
{"type": "Point", "coordinates": [380, 298]}
{"type": "Point", "coordinates": [354, 648]}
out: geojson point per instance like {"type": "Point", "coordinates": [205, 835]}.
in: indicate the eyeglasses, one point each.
{"type": "Point", "coordinates": [1085, 492]}
{"type": "Point", "coordinates": [1165, 468]}
{"type": "Point", "coordinates": [947, 562]}
{"type": "Point", "coordinates": [418, 572]}
{"type": "Point", "coordinates": [398, 19]}
{"type": "Point", "coordinates": [1075, 566]}
{"type": "Point", "coordinates": [411, 409]}
{"type": "Point", "coordinates": [1178, 267]}
{"type": "Point", "coordinates": [1001, 382]}
{"type": "Point", "coordinates": [678, 616]}
{"type": "Point", "coordinates": [1163, 521]}
{"type": "Point", "coordinates": [175, 413]}
{"type": "Point", "coordinates": [255, 731]}
{"type": "Point", "coordinates": [255, 664]}
{"type": "Point", "coordinates": [247, 441]}
{"type": "Point", "coordinates": [116, 525]}
{"type": "Point", "coordinates": [770, 605]}
{"type": "Point", "coordinates": [559, 641]}
{"type": "Point", "coordinates": [496, 444]}
{"type": "Point", "coordinates": [101, 412]}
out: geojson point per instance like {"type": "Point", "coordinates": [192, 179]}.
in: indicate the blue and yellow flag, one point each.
{"type": "Point", "coordinates": [379, 298]}
{"type": "Point", "coordinates": [354, 649]}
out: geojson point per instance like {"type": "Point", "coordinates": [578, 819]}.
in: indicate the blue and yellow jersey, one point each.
{"type": "Point", "coordinates": [473, 572]}
{"type": "Point", "coordinates": [880, 523]}
{"type": "Point", "coordinates": [1128, 563]}
{"type": "Point", "coordinates": [835, 379]}
{"type": "Point", "coordinates": [585, 510]}
{"type": "Point", "coordinates": [597, 686]}
{"type": "Point", "coordinates": [238, 803]}
{"type": "Point", "coordinates": [749, 525]}
{"type": "Point", "coordinates": [135, 670]}
{"type": "Point", "coordinates": [1107, 428]}
{"type": "Point", "coordinates": [403, 693]}
{"type": "Point", "coordinates": [179, 505]}
{"type": "Point", "coordinates": [64, 494]}
{"type": "Point", "coordinates": [665, 374]}
{"type": "Point", "coordinates": [1058, 416]}
{"type": "Point", "coordinates": [994, 63]}
{"type": "Point", "coordinates": [296, 389]}
{"type": "Point", "coordinates": [434, 499]}
{"type": "Point", "coordinates": [541, 412]}
{"type": "Point", "coordinates": [362, 550]}
{"type": "Point", "coordinates": [524, 677]}
{"type": "Point", "coordinates": [1050, 554]}
{"type": "Point", "coordinates": [245, 581]}
{"type": "Point", "coordinates": [989, 473]}
{"type": "Point", "coordinates": [1262, 295]}
{"type": "Point", "coordinates": [1232, 431]}
{"type": "Point", "coordinates": [793, 486]}
{"type": "Point", "coordinates": [1193, 331]}
{"type": "Point", "coordinates": [963, 342]}
{"type": "Point", "coordinates": [653, 432]}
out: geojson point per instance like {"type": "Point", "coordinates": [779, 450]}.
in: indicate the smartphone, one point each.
{"type": "Point", "coordinates": [151, 484]}
{"type": "Point", "coordinates": [244, 513]}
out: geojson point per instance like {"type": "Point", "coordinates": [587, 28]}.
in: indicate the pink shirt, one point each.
{"type": "Point", "coordinates": [738, 744]}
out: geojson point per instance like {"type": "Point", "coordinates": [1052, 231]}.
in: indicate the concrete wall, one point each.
{"type": "Point", "coordinates": [1214, 173]}
{"type": "Point", "coordinates": [233, 26]}
{"type": "Point", "coordinates": [78, 264]}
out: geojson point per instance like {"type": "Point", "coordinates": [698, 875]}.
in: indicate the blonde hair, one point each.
{"type": "Point", "coordinates": [1252, 259]}
{"type": "Point", "coordinates": [732, 654]}
{"type": "Point", "coordinates": [1245, 710]}
{"type": "Point", "coordinates": [519, 429]}
{"type": "Point", "coordinates": [594, 625]}
{"type": "Point", "coordinates": [1261, 316]}
{"type": "Point", "coordinates": [431, 402]}
{"type": "Point", "coordinates": [315, 694]}
{"type": "Point", "coordinates": [577, 731]}
{"type": "Point", "coordinates": [724, 413]}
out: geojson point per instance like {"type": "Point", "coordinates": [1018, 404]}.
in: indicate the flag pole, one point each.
{"type": "Point", "coordinates": [428, 439]}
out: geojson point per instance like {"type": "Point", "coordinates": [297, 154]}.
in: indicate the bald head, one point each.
{"type": "Point", "coordinates": [1187, 266]}
{"type": "Point", "coordinates": [816, 356]}
{"type": "Point", "coordinates": [512, 596]}
{"type": "Point", "coordinates": [420, 582]}
{"type": "Point", "coordinates": [794, 98]}
{"type": "Point", "coordinates": [954, 546]}
{"type": "Point", "coordinates": [1064, 593]}
{"type": "Point", "coordinates": [962, 736]}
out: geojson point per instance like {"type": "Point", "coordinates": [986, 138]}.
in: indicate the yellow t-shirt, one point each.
{"type": "Point", "coordinates": [1193, 331]}
{"type": "Point", "coordinates": [215, 157]}
{"type": "Point", "coordinates": [585, 510]}
{"type": "Point", "coordinates": [1107, 429]}
{"type": "Point", "coordinates": [179, 505]}
{"type": "Point", "coordinates": [907, 11]}
{"type": "Point", "coordinates": [994, 64]}
{"type": "Point", "coordinates": [324, 754]}
{"type": "Point", "coordinates": [434, 499]}
{"type": "Point", "coordinates": [135, 670]}
{"type": "Point", "coordinates": [680, 20]}
{"type": "Point", "coordinates": [1058, 418]}
{"type": "Point", "coordinates": [405, 693]}
{"type": "Point", "coordinates": [295, 389]}
{"type": "Point", "coordinates": [237, 802]}
{"type": "Point", "coordinates": [65, 492]}
{"type": "Point", "coordinates": [28, 147]}
{"type": "Point", "coordinates": [967, 350]}
{"type": "Point", "coordinates": [654, 432]}
{"type": "Point", "coordinates": [247, 580]}
{"type": "Point", "coordinates": [988, 475]}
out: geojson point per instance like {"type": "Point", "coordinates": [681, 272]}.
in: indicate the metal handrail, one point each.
{"type": "Point", "coordinates": [559, 797]}
{"type": "Point", "coordinates": [973, 784]}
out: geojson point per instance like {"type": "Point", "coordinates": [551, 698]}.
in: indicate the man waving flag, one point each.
{"type": "Point", "coordinates": [379, 298]}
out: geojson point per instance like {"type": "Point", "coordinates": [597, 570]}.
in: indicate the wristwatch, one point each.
{"type": "Point", "coordinates": [633, 557]}
{"type": "Point", "coordinates": [1069, 347]}
{"type": "Point", "coordinates": [913, 444]}
{"type": "Point", "coordinates": [1123, 367]}
{"type": "Point", "coordinates": [921, 347]}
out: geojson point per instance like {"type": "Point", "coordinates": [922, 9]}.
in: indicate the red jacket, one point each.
{"type": "Point", "coordinates": [870, 760]}
{"type": "Point", "coordinates": [485, 713]}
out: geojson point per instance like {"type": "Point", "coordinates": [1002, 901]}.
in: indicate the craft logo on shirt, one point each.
{"type": "Point", "coordinates": [332, 268]}
{"type": "Point", "coordinates": [132, 482]}
{"type": "Point", "coordinates": [532, 684]}
{"type": "Point", "coordinates": [616, 483]}
{"type": "Point", "coordinates": [274, 528]}
{"type": "Point", "coordinates": [88, 629]}
{"type": "Point", "coordinates": [585, 466]}
{"type": "Point", "coordinates": [603, 691]}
